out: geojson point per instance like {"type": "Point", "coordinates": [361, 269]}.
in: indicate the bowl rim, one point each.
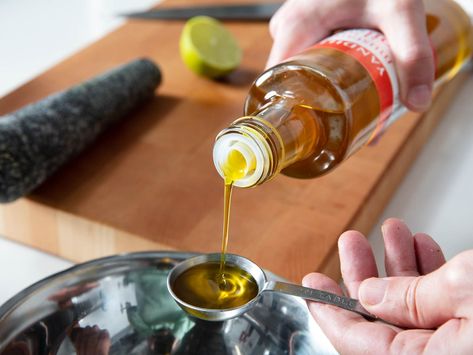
{"type": "Point", "coordinates": [83, 269]}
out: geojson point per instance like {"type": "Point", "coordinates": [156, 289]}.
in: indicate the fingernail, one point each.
{"type": "Point", "coordinates": [305, 281]}
{"type": "Point", "coordinates": [372, 291]}
{"type": "Point", "coordinates": [419, 97]}
{"type": "Point", "coordinates": [383, 229]}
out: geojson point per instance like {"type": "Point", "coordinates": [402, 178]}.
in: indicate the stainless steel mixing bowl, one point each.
{"type": "Point", "coordinates": [120, 305]}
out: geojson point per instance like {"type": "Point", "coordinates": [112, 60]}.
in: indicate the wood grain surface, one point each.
{"type": "Point", "coordinates": [149, 182]}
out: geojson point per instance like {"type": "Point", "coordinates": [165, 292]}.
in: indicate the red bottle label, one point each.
{"type": "Point", "coordinates": [371, 49]}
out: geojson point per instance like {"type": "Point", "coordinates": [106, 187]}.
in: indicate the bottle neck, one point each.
{"type": "Point", "coordinates": [256, 144]}
{"type": "Point", "coordinates": [272, 138]}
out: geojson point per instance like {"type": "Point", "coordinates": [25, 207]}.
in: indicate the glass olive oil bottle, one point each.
{"type": "Point", "coordinates": [306, 115]}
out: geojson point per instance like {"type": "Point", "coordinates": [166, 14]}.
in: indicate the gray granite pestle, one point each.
{"type": "Point", "coordinates": [37, 139]}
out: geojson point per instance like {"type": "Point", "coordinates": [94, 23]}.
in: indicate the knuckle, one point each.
{"type": "Point", "coordinates": [417, 56]}
{"type": "Point", "coordinates": [403, 343]}
{"type": "Point", "coordinates": [459, 271]}
{"type": "Point", "coordinates": [284, 18]}
{"type": "Point", "coordinates": [411, 302]}
{"type": "Point", "coordinates": [405, 5]}
{"type": "Point", "coordinates": [273, 25]}
{"type": "Point", "coordinates": [280, 17]}
{"type": "Point", "coordinates": [416, 65]}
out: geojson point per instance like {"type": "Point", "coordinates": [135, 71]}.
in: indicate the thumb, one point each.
{"type": "Point", "coordinates": [407, 36]}
{"type": "Point", "coordinates": [418, 302]}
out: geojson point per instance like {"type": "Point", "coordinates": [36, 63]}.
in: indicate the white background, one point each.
{"type": "Point", "coordinates": [436, 197]}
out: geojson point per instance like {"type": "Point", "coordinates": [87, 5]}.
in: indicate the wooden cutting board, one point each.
{"type": "Point", "coordinates": [149, 183]}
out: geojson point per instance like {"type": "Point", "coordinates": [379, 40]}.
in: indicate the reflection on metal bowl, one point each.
{"type": "Point", "coordinates": [120, 305]}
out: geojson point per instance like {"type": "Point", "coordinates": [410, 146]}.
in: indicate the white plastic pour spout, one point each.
{"type": "Point", "coordinates": [250, 151]}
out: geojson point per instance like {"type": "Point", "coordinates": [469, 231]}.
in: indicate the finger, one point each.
{"type": "Point", "coordinates": [91, 340]}
{"type": "Point", "coordinates": [79, 345]}
{"type": "Point", "coordinates": [104, 344]}
{"type": "Point", "coordinates": [329, 318]}
{"type": "Point", "coordinates": [321, 282]}
{"type": "Point", "coordinates": [323, 312]}
{"type": "Point", "coordinates": [400, 257]}
{"type": "Point", "coordinates": [352, 334]}
{"type": "Point", "coordinates": [357, 261]}
{"type": "Point", "coordinates": [81, 339]}
{"type": "Point", "coordinates": [407, 36]}
{"type": "Point", "coordinates": [429, 255]}
{"type": "Point", "coordinates": [294, 29]}
{"type": "Point", "coordinates": [426, 301]}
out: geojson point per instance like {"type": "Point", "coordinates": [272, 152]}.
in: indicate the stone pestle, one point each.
{"type": "Point", "coordinates": [37, 139]}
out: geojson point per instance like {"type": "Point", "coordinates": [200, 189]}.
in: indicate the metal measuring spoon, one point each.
{"type": "Point", "coordinates": [264, 285]}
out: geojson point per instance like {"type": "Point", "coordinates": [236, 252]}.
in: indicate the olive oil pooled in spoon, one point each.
{"type": "Point", "coordinates": [201, 286]}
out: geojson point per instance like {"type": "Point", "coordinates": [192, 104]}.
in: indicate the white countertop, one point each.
{"type": "Point", "coordinates": [435, 197]}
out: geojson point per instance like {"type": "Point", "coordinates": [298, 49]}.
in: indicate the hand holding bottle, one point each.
{"type": "Point", "coordinates": [301, 23]}
{"type": "Point", "coordinates": [430, 300]}
{"type": "Point", "coordinates": [307, 114]}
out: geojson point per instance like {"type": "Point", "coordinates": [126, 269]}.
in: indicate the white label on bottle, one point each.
{"type": "Point", "coordinates": [372, 51]}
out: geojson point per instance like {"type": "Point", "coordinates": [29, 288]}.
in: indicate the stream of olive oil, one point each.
{"type": "Point", "coordinates": [234, 168]}
{"type": "Point", "coordinates": [227, 198]}
{"type": "Point", "coordinates": [214, 285]}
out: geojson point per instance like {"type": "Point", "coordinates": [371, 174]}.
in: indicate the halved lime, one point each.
{"type": "Point", "coordinates": [208, 48]}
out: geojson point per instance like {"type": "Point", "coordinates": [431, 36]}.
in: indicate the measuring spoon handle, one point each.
{"type": "Point", "coordinates": [313, 294]}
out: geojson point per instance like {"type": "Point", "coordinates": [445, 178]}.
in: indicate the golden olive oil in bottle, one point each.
{"type": "Point", "coordinates": [303, 117]}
